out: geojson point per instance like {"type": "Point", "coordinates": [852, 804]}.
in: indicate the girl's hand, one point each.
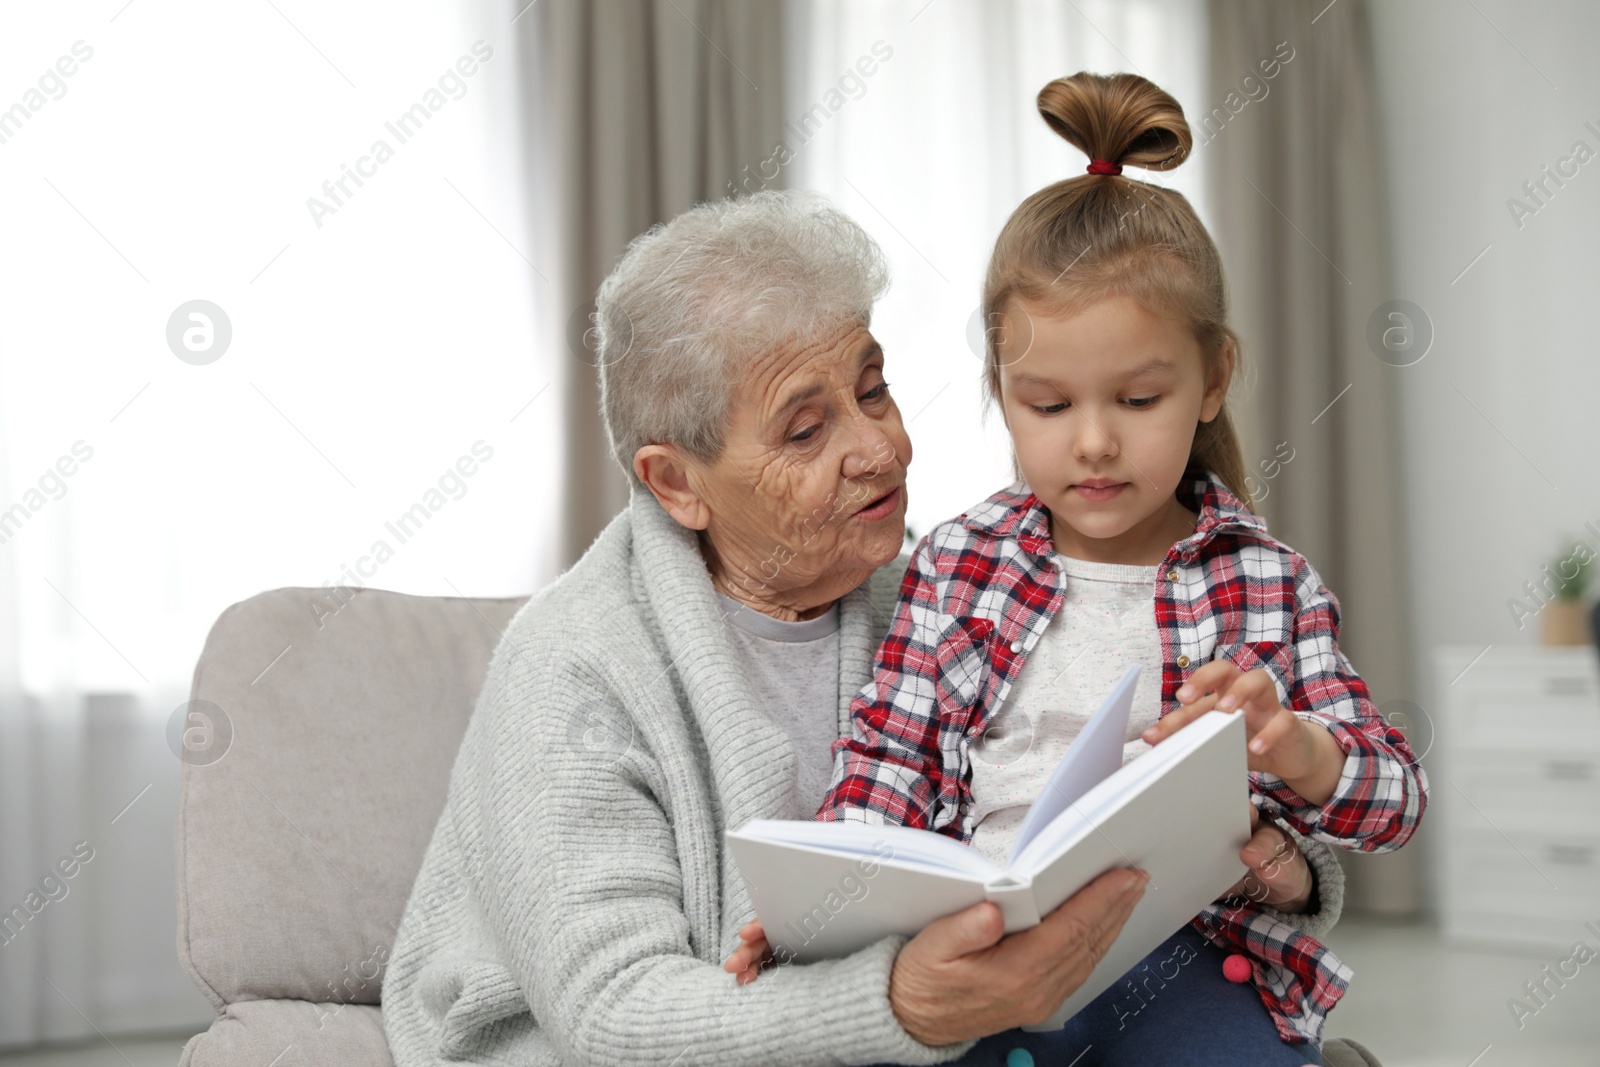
{"type": "Point", "coordinates": [1278, 874]}
{"type": "Point", "coordinates": [752, 954]}
{"type": "Point", "coordinates": [1174, 721]}
{"type": "Point", "coordinates": [1278, 741]}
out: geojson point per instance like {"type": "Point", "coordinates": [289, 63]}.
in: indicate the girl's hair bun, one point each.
{"type": "Point", "coordinates": [1120, 118]}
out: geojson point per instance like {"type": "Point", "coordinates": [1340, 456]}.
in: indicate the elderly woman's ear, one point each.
{"type": "Point", "coordinates": [664, 470]}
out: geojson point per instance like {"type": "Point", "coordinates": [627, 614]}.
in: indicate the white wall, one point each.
{"type": "Point", "coordinates": [1499, 419]}
{"type": "Point", "coordinates": [1500, 435]}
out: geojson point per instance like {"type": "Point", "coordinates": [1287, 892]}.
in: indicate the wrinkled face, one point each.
{"type": "Point", "coordinates": [1110, 394]}
{"type": "Point", "coordinates": [808, 496]}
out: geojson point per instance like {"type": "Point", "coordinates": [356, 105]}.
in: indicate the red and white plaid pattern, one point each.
{"type": "Point", "coordinates": [976, 598]}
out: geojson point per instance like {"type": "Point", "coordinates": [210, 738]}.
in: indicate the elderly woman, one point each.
{"type": "Point", "coordinates": [690, 673]}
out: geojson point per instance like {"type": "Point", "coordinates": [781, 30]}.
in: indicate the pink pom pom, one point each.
{"type": "Point", "coordinates": [1236, 968]}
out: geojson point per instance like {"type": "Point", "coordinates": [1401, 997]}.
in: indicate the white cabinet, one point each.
{"type": "Point", "coordinates": [1515, 794]}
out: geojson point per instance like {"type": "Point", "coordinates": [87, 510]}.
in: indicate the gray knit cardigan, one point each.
{"type": "Point", "coordinates": [576, 902]}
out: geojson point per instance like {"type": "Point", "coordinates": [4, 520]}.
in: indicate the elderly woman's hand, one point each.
{"type": "Point", "coordinates": [1278, 876]}
{"type": "Point", "coordinates": [1000, 982]}
{"type": "Point", "coordinates": [961, 977]}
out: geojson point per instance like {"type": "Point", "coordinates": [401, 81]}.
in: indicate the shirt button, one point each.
{"type": "Point", "coordinates": [1016, 646]}
{"type": "Point", "coordinates": [1172, 575]}
{"type": "Point", "coordinates": [1183, 661]}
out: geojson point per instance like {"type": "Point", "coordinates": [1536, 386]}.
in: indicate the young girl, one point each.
{"type": "Point", "coordinates": [1126, 539]}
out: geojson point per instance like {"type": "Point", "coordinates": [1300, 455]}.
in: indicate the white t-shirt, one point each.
{"type": "Point", "coordinates": [1105, 625]}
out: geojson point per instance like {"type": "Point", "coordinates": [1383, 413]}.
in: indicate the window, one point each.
{"type": "Point", "coordinates": [918, 119]}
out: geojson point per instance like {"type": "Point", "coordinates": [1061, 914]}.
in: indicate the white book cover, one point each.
{"type": "Point", "coordinates": [826, 889]}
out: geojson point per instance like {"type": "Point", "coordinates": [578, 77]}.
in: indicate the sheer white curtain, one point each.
{"type": "Point", "coordinates": [917, 118]}
{"type": "Point", "coordinates": [382, 325]}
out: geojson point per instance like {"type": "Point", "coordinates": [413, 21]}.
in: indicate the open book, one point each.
{"type": "Point", "coordinates": [826, 889]}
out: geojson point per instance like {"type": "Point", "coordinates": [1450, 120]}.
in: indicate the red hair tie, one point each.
{"type": "Point", "coordinates": [1101, 166]}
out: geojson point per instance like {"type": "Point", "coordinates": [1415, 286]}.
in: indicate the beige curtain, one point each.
{"type": "Point", "coordinates": [641, 109]}
{"type": "Point", "coordinates": [1298, 210]}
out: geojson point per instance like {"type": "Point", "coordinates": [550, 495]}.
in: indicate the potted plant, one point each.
{"type": "Point", "coordinates": [1564, 619]}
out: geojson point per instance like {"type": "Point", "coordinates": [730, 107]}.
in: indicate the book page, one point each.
{"type": "Point", "coordinates": [827, 889]}
{"type": "Point", "coordinates": [919, 848]}
{"type": "Point", "coordinates": [1183, 825]}
{"type": "Point", "coordinates": [1082, 815]}
{"type": "Point", "coordinates": [1094, 755]}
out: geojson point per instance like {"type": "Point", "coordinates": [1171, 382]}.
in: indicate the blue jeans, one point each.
{"type": "Point", "coordinates": [1195, 1019]}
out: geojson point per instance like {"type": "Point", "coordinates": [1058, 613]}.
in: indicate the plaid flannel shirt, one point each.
{"type": "Point", "coordinates": [974, 601]}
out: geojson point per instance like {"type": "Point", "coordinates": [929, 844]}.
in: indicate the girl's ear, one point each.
{"type": "Point", "coordinates": [665, 472]}
{"type": "Point", "coordinates": [1217, 389]}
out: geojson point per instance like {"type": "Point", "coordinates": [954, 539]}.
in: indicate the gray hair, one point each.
{"type": "Point", "coordinates": [693, 298]}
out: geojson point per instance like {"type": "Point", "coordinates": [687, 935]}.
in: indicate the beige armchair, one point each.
{"type": "Point", "coordinates": [330, 720]}
{"type": "Point", "coordinates": [298, 846]}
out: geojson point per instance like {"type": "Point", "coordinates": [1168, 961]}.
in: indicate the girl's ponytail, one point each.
{"type": "Point", "coordinates": [1120, 118]}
